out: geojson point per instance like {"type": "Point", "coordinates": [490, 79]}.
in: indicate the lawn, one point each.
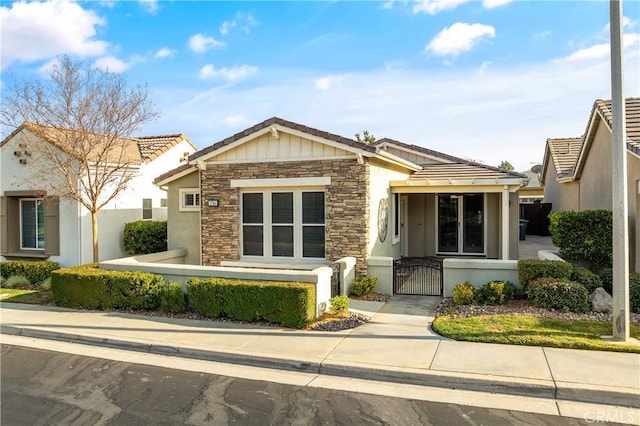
{"type": "Point", "coordinates": [34, 297]}
{"type": "Point", "coordinates": [533, 331]}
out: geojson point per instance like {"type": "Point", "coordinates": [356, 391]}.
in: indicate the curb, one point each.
{"type": "Point", "coordinates": [548, 389]}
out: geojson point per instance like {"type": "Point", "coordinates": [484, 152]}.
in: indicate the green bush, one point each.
{"type": "Point", "coordinates": [339, 305]}
{"type": "Point", "coordinates": [91, 288]}
{"type": "Point", "coordinates": [606, 278]}
{"type": "Point", "coordinates": [34, 271]}
{"type": "Point", "coordinates": [494, 293]}
{"type": "Point", "coordinates": [45, 285]}
{"type": "Point", "coordinates": [289, 304]}
{"type": "Point", "coordinates": [18, 282]}
{"type": "Point", "coordinates": [634, 292]}
{"type": "Point", "coordinates": [463, 293]}
{"type": "Point", "coordinates": [561, 294]}
{"type": "Point", "coordinates": [588, 279]}
{"type": "Point", "coordinates": [172, 298]}
{"type": "Point", "coordinates": [585, 235]}
{"type": "Point", "coordinates": [145, 236]}
{"type": "Point", "coordinates": [531, 269]}
{"type": "Point", "coordinates": [363, 285]}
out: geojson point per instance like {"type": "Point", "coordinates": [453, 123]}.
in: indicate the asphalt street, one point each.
{"type": "Point", "coordinates": [41, 387]}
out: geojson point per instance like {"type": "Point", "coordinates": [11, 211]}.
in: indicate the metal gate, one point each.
{"type": "Point", "coordinates": [335, 279]}
{"type": "Point", "coordinates": [418, 276]}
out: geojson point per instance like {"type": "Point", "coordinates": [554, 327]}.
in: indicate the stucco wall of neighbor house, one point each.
{"type": "Point", "coordinates": [562, 196]}
{"type": "Point", "coordinates": [380, 174]}
{"type": "Point", "coordinates": [514, 224]}
{"type": "Point", "coordinates": [493, 226]}
{"type": "Point", "coordinates": [183, 228]}
{"type": "Point", "coordinates": [346, 206]}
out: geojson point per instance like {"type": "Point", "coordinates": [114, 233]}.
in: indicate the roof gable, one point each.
{"type": "Point", "coordinates": [416, 153]}
{"type": "Point", "coordinates": [564, 153]}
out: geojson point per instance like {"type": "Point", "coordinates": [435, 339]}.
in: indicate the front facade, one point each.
{"type": "Point", "coordinates": [587, 182]}
{"type": "Point", "coordinates": [36, 223]}
{"type": "Point", "coordinates": [281, 194]}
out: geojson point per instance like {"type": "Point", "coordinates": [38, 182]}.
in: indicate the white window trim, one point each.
{"type": "Point", "coordinates": [267, 225]}
{"type": "Point", "coordinates": [21, 235]}
{"type": "Point", "coordinates": [186, 191]}
{"type": "Point", "coordinates": [281, 182]}
{"type": "Point", "coordinates": [150, 209]}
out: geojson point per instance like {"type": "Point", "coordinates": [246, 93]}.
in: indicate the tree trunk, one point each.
{"type": "Point", "coordinates": [94, 231]}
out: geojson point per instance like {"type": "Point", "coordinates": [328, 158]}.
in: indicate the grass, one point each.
{"type": "Point", "coordinates": [33, 297]}
{"type": "Point", "coordinates": [533, 331]}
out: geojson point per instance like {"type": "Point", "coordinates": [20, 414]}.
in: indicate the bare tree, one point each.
{"type": "Point", "coordinates": [85, 117]}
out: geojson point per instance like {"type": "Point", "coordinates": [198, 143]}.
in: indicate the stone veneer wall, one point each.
{"type": "Point", "coordinates": [346, 201]}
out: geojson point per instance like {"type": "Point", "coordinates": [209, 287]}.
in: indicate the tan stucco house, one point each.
{"type": "Point", "coordinates": [577, 171]}
{"type": "Point", "coordinates": [281, 194]}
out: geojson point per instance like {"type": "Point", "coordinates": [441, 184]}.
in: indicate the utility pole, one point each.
{"type": "Point", "coordinates": [619, 177]}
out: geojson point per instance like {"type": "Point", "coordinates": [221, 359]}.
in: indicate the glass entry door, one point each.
{"type": "Point", "coordinates": [461, 223]}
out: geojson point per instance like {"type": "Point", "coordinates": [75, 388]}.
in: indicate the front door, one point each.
{"type": "Point", "coordinates": [461, 224]}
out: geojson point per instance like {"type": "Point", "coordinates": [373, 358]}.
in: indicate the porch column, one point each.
{"type": "Point", "coordinates": [505, 224]}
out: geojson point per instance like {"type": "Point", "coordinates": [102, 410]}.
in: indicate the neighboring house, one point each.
{"type": "Point", "coordinates": [36, 224]}
{"type": "Point", "coordinates": [284, 194]}
{"type": "Point", "coordinates": [577, 171]}
{"type": "Point", "coordinates": [532, 191]}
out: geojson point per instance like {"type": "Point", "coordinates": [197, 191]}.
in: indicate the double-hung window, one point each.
{"type": "Point", "coordinates": [147, 208]}
{"type": "Point", "coordinates": [32, 224]}
{"type": "Point", "coordinates": [283, 224]}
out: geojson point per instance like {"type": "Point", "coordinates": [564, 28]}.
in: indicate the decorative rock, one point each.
{"type": "Point", "coordinates": [601, 301]}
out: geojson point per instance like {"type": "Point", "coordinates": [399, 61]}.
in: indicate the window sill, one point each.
{"type": "Point", "coordinates": [25, 255]}
{"type": "Point", "coordinates": [303, 266]}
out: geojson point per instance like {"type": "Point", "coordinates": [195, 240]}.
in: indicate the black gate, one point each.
{"type": "Point", "coordinates": [418, 276]}
{"type": "Point", "coordinates": [335, 279]}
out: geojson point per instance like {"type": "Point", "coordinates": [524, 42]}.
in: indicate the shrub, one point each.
{"type": "Point", "coordinates": [18, 282]}
{"type": "Point", "coordinates": [339, 305]}
{"type": "Point", "coordinates": [585, 235]}
{"type": "Point", "coordinates": [34, 271]}
{"type": "Point", "coordinates": [565, 295]}
{"type": "Point", "coordinates": [45, 285]}
{"type": "Point", "coordinates": [588, 279]}
{"type": "Point", "coordinates": [363, 285]}
{"type": "Point", "coordinates": [91, 288]}
{"type": "Point", "coordinates": [145, 236]}
{"type": "Point", "coordinates": [289, 304]}
{"type": "Point", "coordinates": [463, 293]}
{"type": "Point", "coordinates": [494, 293]}
{"type": "Point", "coordinates": [634, 292]}
{"type": "Point", "coordinates": [531, 269]}
{"type": "Point", "coordinates": [172, 298]}
{"type": "Point", "coordinates": [606, 278]}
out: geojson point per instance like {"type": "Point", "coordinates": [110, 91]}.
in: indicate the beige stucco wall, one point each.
{"type": "Point", "coordinates": [493, 226]}
{"type": "Point", "coordinates": [562, 196]}
{"type": "Point", "coordinates": [183, 227]}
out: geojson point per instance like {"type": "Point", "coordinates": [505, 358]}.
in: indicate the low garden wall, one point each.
{"type": "Point", "coordinates": [382, 268]}
{"type": "Point", "coordinates": [477, 272]}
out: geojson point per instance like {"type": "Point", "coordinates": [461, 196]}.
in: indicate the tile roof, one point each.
{"type": "Point", "coordinates": [419, 149]}
{"type": "Point", "coordinates": [467, 170]}
{"type": "Point", "coordinates": [285, 123]}
{"type": "Point", "coordinates": [564, 153]}
{"type": "Point", "coordinates": [135, 150]}
{"type": "Point", "coordinates": [632, 120]}
{"type": "Point", "coordinates": [182, 168]}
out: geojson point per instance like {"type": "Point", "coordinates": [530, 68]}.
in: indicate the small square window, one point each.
{"type": "Point", "coordinates": [189, 199]}
{"type": "Point", "coordinates": [163, 202]}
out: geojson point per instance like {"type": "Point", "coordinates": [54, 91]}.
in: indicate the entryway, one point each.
{"type": "Point", "coordinates": [420, 276]}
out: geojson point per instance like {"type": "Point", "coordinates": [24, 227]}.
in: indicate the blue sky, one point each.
{"type": "Point", "coordinates": [487, 80]}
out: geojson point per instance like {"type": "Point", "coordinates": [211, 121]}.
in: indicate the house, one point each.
{"type": "Point", "coordinates": [577, 171]}
{"type": "Point", "coordinates": [38, 224]}
{"type": "Point", "coordinates": [533, 191]}
{"type": "Point", "coordinates": [281, 194]}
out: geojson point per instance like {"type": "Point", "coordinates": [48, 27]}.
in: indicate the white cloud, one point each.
{"type": "Point", "coordinates": [226, 27]}
{"type": "Point", "coordinates": [326, 83]}
{"type": "Point", "coordinates": [151, 6]}
{"type": "Point", "coordinates": [235, 120]}
{"type": "Point", "coordinates": [165, 52]}
{"type": "Point", "coordinates": [110, 4]}
{"type": "Point", "coordinates": [246, 22]}
{"type": "Point", "coordinates": [230, 74]}
{"type": "Point", "coordinates": [601, 50]}
{"type": "Point", "coordinates": [490, 4]}
{"type": "Point", "coordinates": [434, 6]}
{"type": "Point", "coordinates": [112, 64]}
{"type": "Point", "coordinates": [200, 43]}
{"type": "Point", "coordinates": [41, 30]}
{"type": "Point", "coordinates": [459, 38]}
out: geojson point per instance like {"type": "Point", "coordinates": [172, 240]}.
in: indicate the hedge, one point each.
{"type": "Point", "coordinates": [34, 271]}
{"type": "Point", "coordinates": [585, 235]}
{"type": "Point", "coordinates": [145, 236]}
{"type": "Point", "coordinates": [634, 292]}
{"type": "Point", "coordinates": [588, 279]}
{"type": "Point", "coordinates": [363, 284]}
{"type": "Point", "coordinates": [91, 288]}
{"type": "Point", "coordinates": [531, 269]}
{"type": "Point", "coordinates": [561, 294]}
{"type": "Point", "coordinates": [290, 304]}
{"type": "Point", "coordinates": [494, 293]}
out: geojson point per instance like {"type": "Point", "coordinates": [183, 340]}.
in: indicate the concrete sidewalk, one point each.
{"type": "Point", "coordinates": [397, 345]}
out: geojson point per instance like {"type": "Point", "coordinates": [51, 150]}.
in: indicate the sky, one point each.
{"type": "Point", "coordinates": [486, 80]}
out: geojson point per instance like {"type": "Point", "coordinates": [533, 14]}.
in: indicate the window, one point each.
{"type": "Point", "coordinates": [283, 224]}
{"type": "Point", "coordinates": [189, 199]}
{"type": "Point", "coordinates": [32, 224]}
{"type": "Point", "coordinates": [163, 202]}
{"type": "Point", "coordinates": [147, 210]}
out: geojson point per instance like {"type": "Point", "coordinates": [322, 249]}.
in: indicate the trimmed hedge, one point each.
{"type": "Point", "coordinates": [363, 285]}
{"type": "Point", "coordinates": [531, 269]}
{"type": "Point", "coordinates": [606, 277]}
{"type": "Point", "coordinates": [634, 292]}
{"type": "Point", "coordinates": [91, 288]}
{"type": "Point", "coordinates": [290, 304]}
{"type": "Point", "coordinates": [145, 236]}
{"type": "Point", "coordinates": [553, 293]}
{"type": "Point", "coordinates": [584, 235]}
{"type": "Point", "coordinates": [172, 298]}
{"type": "Point", "coordinates": [494, 293]}
{"type": "Point", "coordinates": [588, 279]}
{"type": "Point", "coordinates": [34, 271]}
